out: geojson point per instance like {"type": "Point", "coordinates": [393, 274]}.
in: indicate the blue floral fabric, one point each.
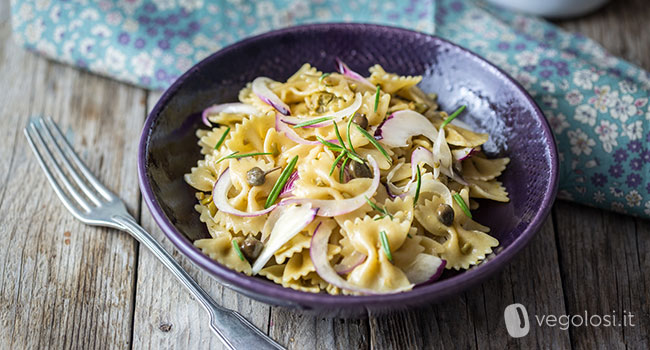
{"type": "Point", "coordinates": [596, 104]}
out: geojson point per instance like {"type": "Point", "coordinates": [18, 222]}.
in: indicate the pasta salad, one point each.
{"type": "Point", "coordinates": [338, 183]}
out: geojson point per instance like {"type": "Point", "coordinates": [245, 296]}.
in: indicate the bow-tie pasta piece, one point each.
{"type": "Point", "coordinates": [221, 249]}
{"type": "Point", "coordinates": [391, 83]}
{"type": "Point", "coordinates": [483, 169]}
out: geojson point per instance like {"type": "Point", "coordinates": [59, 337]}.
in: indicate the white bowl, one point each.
{"type": "Point", "coordinates": [552, 8]}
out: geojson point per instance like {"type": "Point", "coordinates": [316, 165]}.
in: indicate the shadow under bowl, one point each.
{"type": "Point", "coordinates": [496, 105]}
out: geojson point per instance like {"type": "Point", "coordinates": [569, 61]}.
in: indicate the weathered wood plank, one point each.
{"type": "Point", "coordinates": [621, 27]}
{"type": "Point", "coordinates": [63, 284]}
{"type": "Point", "coordinates": [639, 336]}
{"type": "Point", "coordinates": [166, 316]}
{"type": "Point", "coordinates": [475, 319]}
{"type": "Point", "coordinates": [533, 280]}
{"type": "Point", "coordinates": [600, 264]}
{"type": "Point", "coordinates": [305, 331]}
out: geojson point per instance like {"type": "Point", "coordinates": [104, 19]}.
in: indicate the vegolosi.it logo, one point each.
{"type": "Point", "coordinates": [516, 318]}
{"type": "Point", "coordinates": [518, 322]}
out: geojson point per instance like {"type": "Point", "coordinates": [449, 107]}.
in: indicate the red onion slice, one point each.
{"type": "Point", "coordinates": [293, 220]}
{"type": "Point", "coordinates": [463, 153]}
{"type": "Point", "coordinates": [425, 269]}
{"type": "Point", "coordinates": [334, 117]}
{"type": "Point", "coordinates": [400, 126]}
{"type": "Point", "coordinates": [289, 186]}
{"type": "Point", "coordinates": [349, 263]}
{"type": "Point", "coordinates": [228, 108]}
{"type": "Point", "coordinates": [430, 185]}
{"type": "Point", "coordinates": [220, 197]}
{"type": "Point", "coordinates": [333, 207]}
{"type": "Point", "coordinates": [318, 254]}
{"type": "Point", "coordinates": [423, 155]}
{"type": "Point", "coordinates": [292, 135]}
{"type": "Point", "coordinates": [391, 188]}
{"type": "Point", "coordinates": [346, 71]}
{"type": "Point", "coordinates": [261, 89]}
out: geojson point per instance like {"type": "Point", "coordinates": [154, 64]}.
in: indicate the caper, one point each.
{"type": "Point", "coordinates": [255, 176]}
{"type": "Point", "coordinates": [251, 248]}
{"type": "Point", "coordinates": [325, 98]}
{"type": "Point", "coordinates": [359, 170]}
{"type": "Point", "coordinates": [421, 107]}
{"type": "Point", "coordinates": [445, 214]}
{"type": "Point", "coordinates": [361, 120]}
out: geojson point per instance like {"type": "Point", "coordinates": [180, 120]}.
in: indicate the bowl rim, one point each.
{"type": "Point", "coordinates": [278, 294]}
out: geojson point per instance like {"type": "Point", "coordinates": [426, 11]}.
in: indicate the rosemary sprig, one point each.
{"type": "Point", "coordinates": [375, 143]}
{"type": "Point", "coordinates": [462, 204]}
{"type": "Point", "coordinates": [279, 184]}
{"type": "Point", "coordinates": [381, 210]}
{"type": "Point", "coordinates": [377, 98]}
{"type": "Point", "coordinates": [222, 138]}
{"type": "Point", "coordinates": [325, 75]}
{"type": "Point", "coordinates": [417, 187]}
{"type": "Point", "coordinates": [346, 154]}
{"type": "Point", "coordinates": [312, 122]}
{"type": "Point", "coordinates": [236, 155]}
{"type": "Point", "coordinates": [385, 245]}
{"type": "Point", "coordinates": [452, 116]}
{"type": "Point", "coordinates": [235, 246]}
{"type": "Point", "coordinates": [342, 148]}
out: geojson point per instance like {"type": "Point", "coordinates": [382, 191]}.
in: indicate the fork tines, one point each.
{"type": "Point", "coordinates": [53, 151]}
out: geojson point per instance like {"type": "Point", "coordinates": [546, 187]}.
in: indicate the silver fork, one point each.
{"type": "Point", "coordinates": [97, 206]}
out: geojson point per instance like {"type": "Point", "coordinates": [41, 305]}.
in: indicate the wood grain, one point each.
{"type": "Point", "coordinates": [166, 315]}
{"type": "Point", "coordinates": [600, 264]}
{"type": "Point", "coordinates": [63, 284]}
{"type": "Point", "coordinates": [306, 331]}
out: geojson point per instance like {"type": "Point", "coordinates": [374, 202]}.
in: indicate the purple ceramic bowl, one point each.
{"type": "Point", "coordinates": [496, 104]}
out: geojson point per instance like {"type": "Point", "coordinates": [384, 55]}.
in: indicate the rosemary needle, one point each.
{"type": "Point", "coordinates": [417, 188]}
{"type": "Point", "coordinates": [236, 155]}
{"type": "Point", "coordinates": [375, 143]}
{"type": "Point", "coordinates": [385, 245]}
{"type": "Point", "coordinates": [235, 246]}
{"type": "Point", "coordinates": [377, 97]}
{"type": "Point", "coordinates": [312, 122]}
{"type": "Point", "coordinates": [279, 184]}
{"type": "Point", "coordinates": [323, 77]}
{"type": "Point", "coordinates": [349, 137]}
{"type": "Point", "coordinates": [222, 138]}
{"type": "Point", "coordinates": [452, 116]}
{"type": "Point", "coordinates": [336, 161]}
{"type": "Point", "coordinates": [462, 205]}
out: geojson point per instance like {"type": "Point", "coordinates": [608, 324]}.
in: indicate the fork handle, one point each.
{"type": "Point", "coordinates": [235, 331]}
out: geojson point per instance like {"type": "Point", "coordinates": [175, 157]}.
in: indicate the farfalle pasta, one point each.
{"type": "Point", "coordinates": [336, 183]}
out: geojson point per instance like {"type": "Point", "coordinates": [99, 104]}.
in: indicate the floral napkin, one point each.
{"type": "Point", "coordinates": [597, 104]}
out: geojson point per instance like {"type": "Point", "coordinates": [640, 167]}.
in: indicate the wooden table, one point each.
{"type": "Point", "coordinates": [66, 285]}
